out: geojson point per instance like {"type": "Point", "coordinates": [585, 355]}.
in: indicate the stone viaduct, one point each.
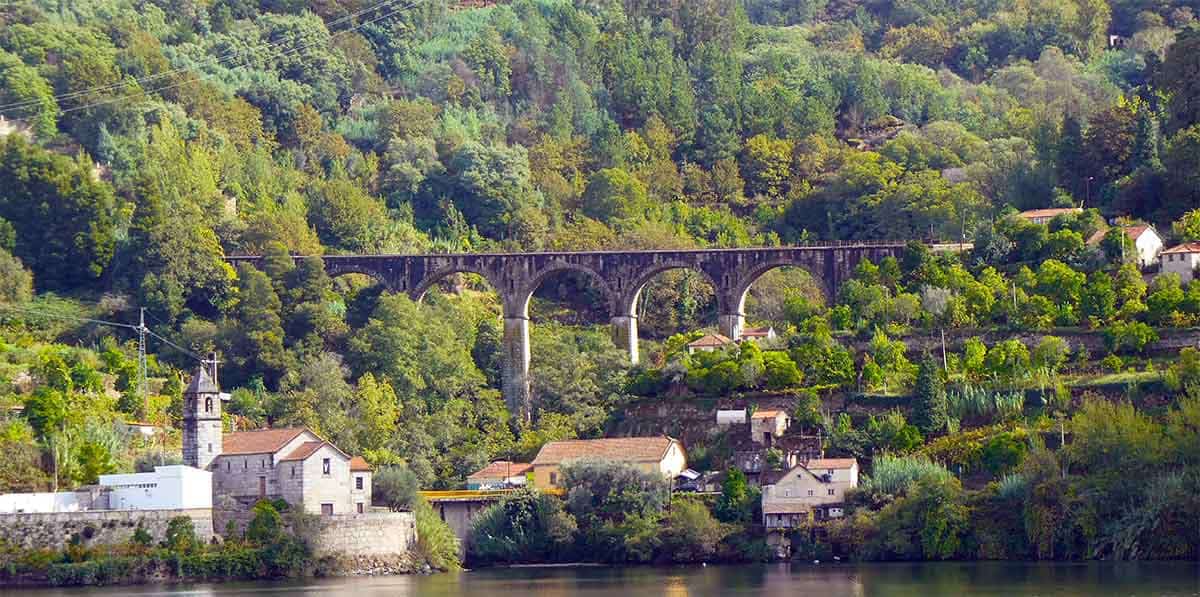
{"type": "Point", "coordinates": [619, 275]}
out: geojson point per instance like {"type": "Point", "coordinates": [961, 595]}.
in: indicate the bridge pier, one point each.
{"type": "Point", "coordinates": [625, 335]}
{"type": "Point", "coordinates": [731, 325]}
{"type": "Point", "coordinates": [515, 368]}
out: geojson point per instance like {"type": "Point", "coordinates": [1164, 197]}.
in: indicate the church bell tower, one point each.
{"type": "Point", "coordinates": [202, 416]}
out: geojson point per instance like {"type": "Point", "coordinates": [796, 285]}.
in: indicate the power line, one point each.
{"type": "Point", "coordinates": [212, 76]}
{"type": "Point", "coordinates": [138, 328]}
{"type": "Point", "coordinates": [167, 73]}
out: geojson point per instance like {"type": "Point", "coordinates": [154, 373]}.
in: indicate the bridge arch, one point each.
{"type": "Point", "coordinates": [520, 300]}
{"type": "Point", "coordinates": [416, 293]}
{"type": "Point", "coordinates": [742, 289]}
{"type": "Point", "coordinates": [626, 302]}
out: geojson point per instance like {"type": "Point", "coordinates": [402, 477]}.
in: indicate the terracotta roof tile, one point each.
{"type": "Point", "coordinates": [258, 442]}
{"type": "Point", "coordinates": [1133, 232]}
{"type": "Point", "coordinates": [623, 449]}
{"type": "Point", "coordinates": [766, 414]}
{"type": "Point", "coordinates": [1192, 247]}
{"type": "Point", "coordinates": [828, 463]}
{"type": "Point", "coordinates": [358, 463]}
{"type": "Point", "coordinates": [303, 451]}
{"type": "Point", "coordinates": [501, 469]}
{"type": "Point", "coordinates": [1048, 213]}
{"type": "Point", "coordinates": [708, 340]}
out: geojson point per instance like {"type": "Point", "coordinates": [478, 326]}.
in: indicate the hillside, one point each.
{"type": "Point", "coordinates": [143, 141]}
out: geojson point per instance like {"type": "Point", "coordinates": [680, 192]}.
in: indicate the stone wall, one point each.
{"type": "Point", "coordinates": [56, 530]}
{"type": "Point", "coordinates": [370, 534]}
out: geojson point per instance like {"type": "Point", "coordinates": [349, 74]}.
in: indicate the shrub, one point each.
{"type": "Point", "coordinates": [181, 535]}
{"type": "Point", "coordinates": [892, 475]}
{"type": "Point", "coordinates": [395, 487]}
{"type": "Point", "coordinates": [1129, 337]}
{"type": "Point", "coordinates": [436, 543]}
{"type": "Point", "coordinates": [527, 526]}
{"type": "Point", "coordinates": [691, 534]}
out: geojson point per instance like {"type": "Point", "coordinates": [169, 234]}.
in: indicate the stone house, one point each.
{"type": "Point", "coordinates": [813, 490]}
{"type": "Point", "coordinates": [293, 464]}
{"type": "Point", "coordinates": [1181, 259]}
{"type": "Point", "coordinates": [664, 455]}
{"type": "Point", "coordinates": [766, 425]}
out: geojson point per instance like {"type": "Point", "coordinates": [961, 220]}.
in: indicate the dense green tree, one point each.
{"type": "Point", "coordinates": [929, 406]}
{"type": "Point", "coordinates": [64, 218]}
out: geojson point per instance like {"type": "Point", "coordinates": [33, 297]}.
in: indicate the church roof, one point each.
{"type": "Point", "coordinates": [304, 450]}
{"type": "Point", "coordinates": [202, 383]}
{"type": "Point", "coordinates": [258, 442]}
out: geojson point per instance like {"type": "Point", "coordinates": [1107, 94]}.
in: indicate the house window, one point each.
{"type": "Point", "coordinates": [245, 463]}
{"type": "Point", "coordinates": [228, 466]}
{"type": "Point", "coordinates": [210, 448]}
{"type": "Point", "coordinates": [810, 492]}
{"type": "Point", "coordinates": [325, 466]}
{"type": "Point", "coordinates": [787, 493]}
{"type": "Point", "coordinates": [326, 509]}
{"type": "Point", "coordinates": [554, 478]}
{"type": "Point", "coordinates": [358, 483]}
{"type": "Point", "coordinates": [293, 471]}
{"type": "Point", "coordinates": [830, 492]}
{"type": "Point", "coordinates": [359, 505]}
{"type": "Point", "coordinates": [830, 471]}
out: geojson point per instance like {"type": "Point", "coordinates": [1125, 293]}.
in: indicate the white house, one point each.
{"type": "Point", "coordinates": [1181, 259]}
{"type": "Point", "coordinates": [1146, 241]}
{"type": "Point", "coordinates": [709, 343]}
{"type": "Point", "coordinates": [167, 488]}
{"type": "Point", "coordinates": [759, 334]}
{"type": "Point", "coordinates": [815, 489]}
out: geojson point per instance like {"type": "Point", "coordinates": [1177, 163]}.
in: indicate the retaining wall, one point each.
{"type": "Point", "coordinates": [55, 530]}
{"type": "Point", "coordinates": [369, 534]}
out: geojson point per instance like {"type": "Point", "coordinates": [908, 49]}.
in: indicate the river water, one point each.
{"type": "Point", "coordinates": [1100, 579]}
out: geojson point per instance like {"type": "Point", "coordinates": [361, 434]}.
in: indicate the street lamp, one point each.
{"type": "Point", "coordinates": [1088, 190]}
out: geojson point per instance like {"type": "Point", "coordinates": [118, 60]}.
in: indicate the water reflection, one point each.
{"type": "Point", "coordinates": [1103, 579]}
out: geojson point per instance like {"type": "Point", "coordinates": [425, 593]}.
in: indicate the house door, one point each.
{"type": "Point", "coordinates": [262, 487]}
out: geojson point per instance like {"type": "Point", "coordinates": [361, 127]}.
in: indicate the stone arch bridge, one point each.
{"type": "Point", "coordinates": [620, 276]}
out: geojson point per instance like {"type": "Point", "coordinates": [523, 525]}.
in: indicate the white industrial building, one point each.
{"type": "Point", "coordinates": [167, 488]}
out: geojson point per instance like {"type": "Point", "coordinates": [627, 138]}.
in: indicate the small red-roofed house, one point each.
{"type": "Point", "coordinates": [1181, 259]}
{"type": "Point", "coordinates": [1146, 241]}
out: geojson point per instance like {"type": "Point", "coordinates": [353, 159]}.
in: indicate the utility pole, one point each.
{"type": "Point", "coordinates": [141, 381]}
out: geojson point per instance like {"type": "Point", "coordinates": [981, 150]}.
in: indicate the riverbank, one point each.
{"type": "Point", "coordinates": [1068, 579]}
{"type": "Point", "coordinates": [38, 569]}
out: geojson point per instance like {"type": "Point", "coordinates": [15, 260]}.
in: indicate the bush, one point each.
{"type": "Point", "coordinates": [436, 543]}
{"type": "Point", "coordinates": [691, 534]}
{"type": "Point", "coordinates": [395, 487]}
{"type": "Point", "coordinates": [892, 475]}
{"type": "Point", "coordinates": [527, 526]}
{"type": "Point", "coordinates": [1129, 337]}
{"type": "Point", "coordinates": [181, 536]}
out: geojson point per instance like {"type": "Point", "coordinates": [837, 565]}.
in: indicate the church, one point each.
{"type": "Point", "coordinates": [294, 463]}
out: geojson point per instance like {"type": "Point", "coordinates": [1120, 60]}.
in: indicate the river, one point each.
{"type": "Point", "coordinates": [1099, 579]}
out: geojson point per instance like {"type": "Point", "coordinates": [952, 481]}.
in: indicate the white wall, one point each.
{"type": "Point", "coordinates": [63, 501]}
{"type": "Point", "coordinates": [168, 487]}
{"type": "Point", "coordinates": [731, 417]}
{"type": "Point", "coordinates": [1148, 246]}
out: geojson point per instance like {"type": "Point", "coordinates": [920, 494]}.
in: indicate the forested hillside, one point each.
{"type": "Point", "coordinates": [145, 140]}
